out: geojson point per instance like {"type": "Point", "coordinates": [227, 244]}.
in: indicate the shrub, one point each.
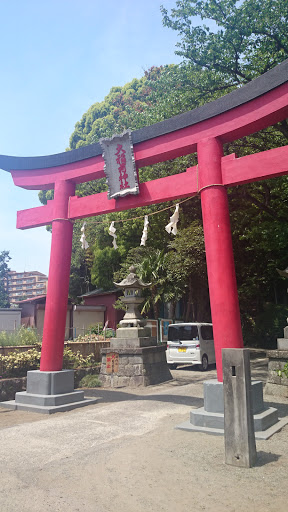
{"type": "Point", "coordinates": [76, 360]}
{"type": "Point", "coordinates": [22, 336]}
{"type": "Point", "coordinates": [86, 338]}
{"type": "Point", "coordinates": [98, 329]}
{"type": "Point", "coordinates": [92, 336]}
{"type": "Point", "coordinates": [284, 372]}
{"type": "Point", "coordinates": [17, 364]}
{"type": "Point", "coordinates": [90, 381]}
{"type": "Point", "coordinates": [263, 330]}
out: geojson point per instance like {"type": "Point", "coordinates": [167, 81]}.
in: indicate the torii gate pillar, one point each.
{"type": "Point", "coordinates": [219, 251]}
{"type": "Point", "coordinates": [259, 104]}
{"type": "Point", "coordinates": [58, 281]}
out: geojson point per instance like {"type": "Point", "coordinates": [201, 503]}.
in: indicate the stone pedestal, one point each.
{"type": "Point", "coordinates": [137, 360]}
{"type": "Point", "coordinates": [49, 392]}
{"type": "Point", "coordinates": [276, 385]}
{"type": "Point", "coordinates": [210, 418]}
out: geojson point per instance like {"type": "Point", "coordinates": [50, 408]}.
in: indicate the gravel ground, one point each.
{"type": "Point", "coordinates": [124, 454]}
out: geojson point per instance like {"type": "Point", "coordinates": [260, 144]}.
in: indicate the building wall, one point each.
{"type": "Point", "coordinates": [82, 320]}
{"type": "Point", "coordinates": [28, 315]}
{"type": "Point", "coordinates": [40, 313]}
{"type": "Point", "coordinates": [78, 318]}
{"type": "Point", "coordinates": [10, 319]}
{"type": "Point", "coordinates": [112, 315]}
{"type": "Point", "coordinates": [26, 284]}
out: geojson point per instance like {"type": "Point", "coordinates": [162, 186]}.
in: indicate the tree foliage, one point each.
{"type": "Point", "coordinates": [235, 41]}
{"type": "Point", "coordinates": [4, 270]}
{"type": "Point", "coordinates": [224, 45]}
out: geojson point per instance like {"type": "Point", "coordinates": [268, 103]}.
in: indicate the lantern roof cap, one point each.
{"type": "Point", "coordinates": [132, 280]}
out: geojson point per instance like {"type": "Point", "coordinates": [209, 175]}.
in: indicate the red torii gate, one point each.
{"type": "Point", "coordinates": [257, 105]}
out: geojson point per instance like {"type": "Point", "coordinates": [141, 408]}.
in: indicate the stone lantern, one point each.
{"type": "Point", "coordinates": [133, 287]}
{"type": "Point", "coordinates": [133, 358]}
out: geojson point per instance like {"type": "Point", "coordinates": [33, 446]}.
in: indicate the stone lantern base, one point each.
{"type": "Point", "coordinates": [277, 385]}
{"type": "Point", "coordinates": [134, 360]}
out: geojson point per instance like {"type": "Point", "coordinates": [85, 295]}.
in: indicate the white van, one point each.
{"type": "Point", "coordinates": [190, 343]}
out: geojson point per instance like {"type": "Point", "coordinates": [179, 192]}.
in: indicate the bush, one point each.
{"type": "Point", "coordinates": [72, 360]}
{"type": "Point", "coordinates": [98, 329]}
{"type": "Point", "coordinates": [263, 330]}
{"type": "Point", "coordinates": [86, 338]}
{"type": "Point", "coordinates": [17, 364]}
{"type": "Point", "coordinates": [22, 336]}
{"type": "Point", "coordinates": [284, 372]}
{"type": "Point", "coordinates": [90, 381]}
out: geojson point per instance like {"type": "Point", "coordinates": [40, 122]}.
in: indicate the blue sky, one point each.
{"type": "Point", "coordinates": [58, 57]}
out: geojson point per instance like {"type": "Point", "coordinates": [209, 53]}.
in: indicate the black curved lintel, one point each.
{"type": "Point", "coordinates": [261, 85]}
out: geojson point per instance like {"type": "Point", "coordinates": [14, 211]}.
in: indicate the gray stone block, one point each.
{"type": "Point", "coordinates": [200, 417]}
{"type": "Point", "coordinates": [277, 354]}
{"type": "Point", "coordinates": [213, 396]}
{"type": "Point", "coordinates": [131, 343]}
{"type": "Point", "coordinates": [214, 401]}
{"type": "Point", "coordinates": [265, 419]}
{"type": "Point", "coordinates": [133, 332]}
{"type": "Point", "coordinates": [135, 360]}
{"type": "Point", "coordinates": [48, 400]}
{"type": "Point", "coordinates": [123, 381]}
{"type": "Point", "coordinates": [123, 361]}
{"type": "Point", "coordinates": [282, 343]}
{"type": "Point", "coordinates": [137, 381]}
{"type": "Point", "coordinates": [212, 420]}
{"type": "Point", "coordinates": [49, 392]}
{"type": "Point", "coordinates": [265, 434]}
{"type": "Point", "coordinates": [50, 383]}
{"type": "Point", "coordinates": [41, 409]}
{"type": "Point", "coordinates": [276, 390]}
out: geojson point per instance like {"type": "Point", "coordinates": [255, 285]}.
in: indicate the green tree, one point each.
{"type": "Point", "coordinates": [236, 41]}
{"type": "Point", "coordinates": [4, 270]}
{"type": "Point", "coordinates": [106, 262]}
{"type": "Point", "coordinates": [187, 271]}
{"type": "Point", "coordinates": [233, 43]}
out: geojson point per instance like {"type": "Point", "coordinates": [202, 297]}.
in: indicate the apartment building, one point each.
{"type": "Point", "coordinates": [26, 285]}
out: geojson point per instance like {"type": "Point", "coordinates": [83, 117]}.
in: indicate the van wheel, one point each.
{"type": "Point", "coordinates": [173, 366]}
{"type": "Point", "coordinates": [205, 363]}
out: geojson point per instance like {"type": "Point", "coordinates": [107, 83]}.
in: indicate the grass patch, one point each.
{"type": "Point", "coordinates": [90, 381]}
{"type": "Point", "coordinates": [19, 337]}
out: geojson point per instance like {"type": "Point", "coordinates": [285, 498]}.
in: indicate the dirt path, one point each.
{"type": "Point", "coordinates": [124, 454]}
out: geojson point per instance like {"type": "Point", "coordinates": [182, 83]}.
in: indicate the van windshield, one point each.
{"type": "Point", "coordinates": [182, 332]}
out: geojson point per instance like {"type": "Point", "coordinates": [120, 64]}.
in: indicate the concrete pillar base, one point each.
{"type": "Point", "coordinates": [210, 418]}
{"type": "Point", "coordinates": [49, 392]}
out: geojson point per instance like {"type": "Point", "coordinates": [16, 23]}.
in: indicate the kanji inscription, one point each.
{"type": "Point", "coordinates": [120, 168]}
{"type": "Point", "coordinates": [112, 362]}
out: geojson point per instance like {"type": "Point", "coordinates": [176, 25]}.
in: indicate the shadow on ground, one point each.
{"type": "Point", "coordinates": [108, 396]}
{"type": "Point", "coordinates": [281, 408]}
{"type": "Point", "coordinates": [264, 458]}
